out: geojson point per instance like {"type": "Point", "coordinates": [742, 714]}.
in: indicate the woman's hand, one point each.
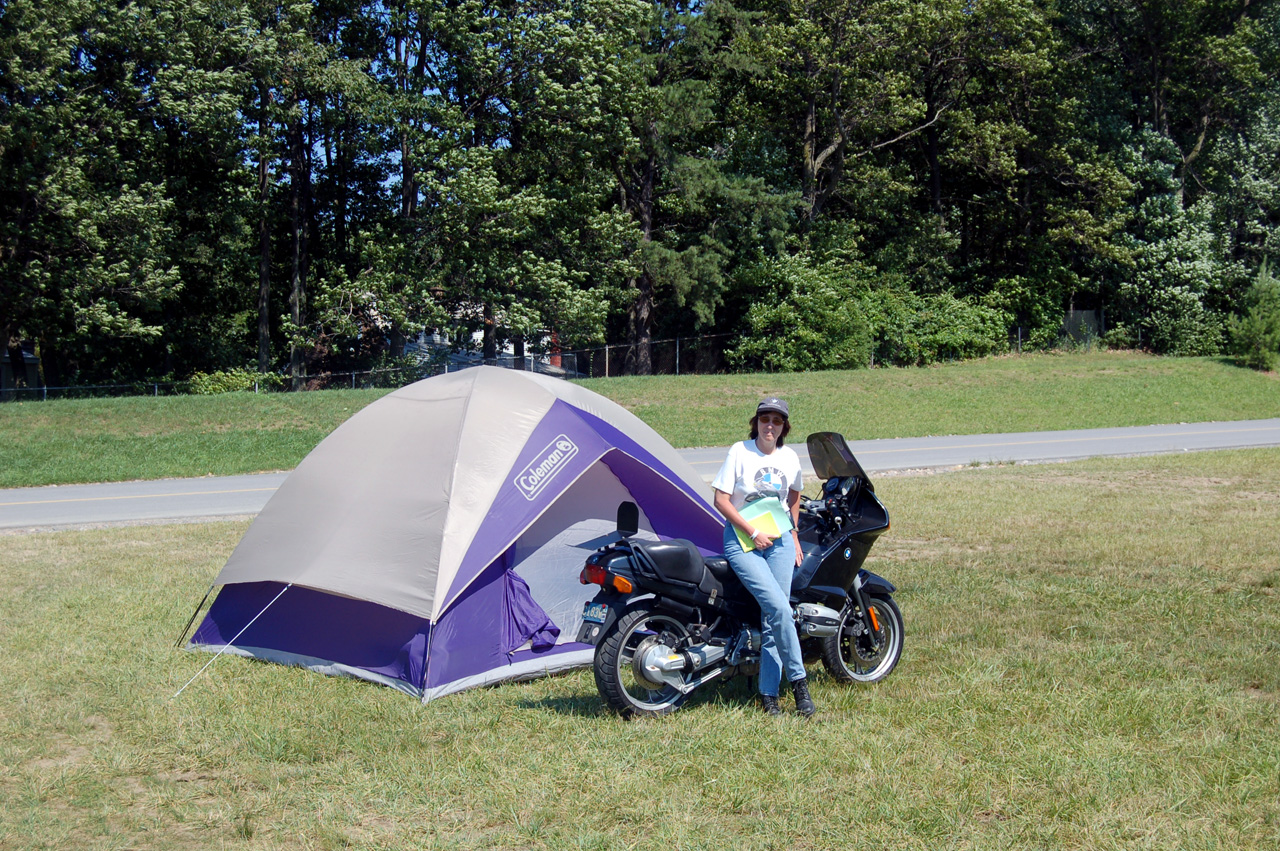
{"type": "Point", "coordinates": [763, 541]}
{"type": "Point", "coordinates": [799, 554]}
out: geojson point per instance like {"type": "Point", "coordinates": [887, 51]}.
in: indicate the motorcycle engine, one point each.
{"type": "Point", "coordinates": [814, 621]}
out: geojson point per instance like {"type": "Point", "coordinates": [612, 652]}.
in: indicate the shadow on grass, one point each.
{"type": "Point", "coordinates": [736, 693]}
{"type": "Point", "coordinates": [582, 706]}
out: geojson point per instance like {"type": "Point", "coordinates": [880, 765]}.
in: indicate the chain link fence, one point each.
{"type": "Point", "coordinates": [675, 356]}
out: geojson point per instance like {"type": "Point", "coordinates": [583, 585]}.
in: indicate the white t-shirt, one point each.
{"type": "Point", "coordinates": [748, 471]}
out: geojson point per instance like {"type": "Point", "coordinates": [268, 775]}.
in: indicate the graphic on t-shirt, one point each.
{"type": "Point", "coordinates": [770, 480]}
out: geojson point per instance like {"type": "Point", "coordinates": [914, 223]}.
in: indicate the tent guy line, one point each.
{"type": "Point", "coordinates": [230, 643]}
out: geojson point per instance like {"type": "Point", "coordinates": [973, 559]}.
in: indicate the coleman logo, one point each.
{"type": "Point", "coordinates": [532, 479]}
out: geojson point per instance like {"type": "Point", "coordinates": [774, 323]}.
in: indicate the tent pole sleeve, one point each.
{"type": "Point", "coordinates": [232, 641]}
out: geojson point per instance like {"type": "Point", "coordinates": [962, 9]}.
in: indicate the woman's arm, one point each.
{"type": "Point", "coordinates": [724, 504]}
{"type": "Point", "coordinates": [793, 505]}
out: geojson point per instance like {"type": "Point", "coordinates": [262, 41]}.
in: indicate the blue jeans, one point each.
{"type": "Point", "coordinates": [767, 575]}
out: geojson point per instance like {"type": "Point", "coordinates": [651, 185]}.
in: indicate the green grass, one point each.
{"type": "Point", "coordinates": [994, 395]}
{"type": "Point", "coordinates": [144, 438]}
{"type": "Point", "coordinates": [1090, 664]}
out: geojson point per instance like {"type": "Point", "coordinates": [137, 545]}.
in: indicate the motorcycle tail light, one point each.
{"type": "Point", "coordinates": [593, 574]}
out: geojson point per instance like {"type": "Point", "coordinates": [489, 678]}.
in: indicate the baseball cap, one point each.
{"type": "Point", "coordinates": [775, 405]}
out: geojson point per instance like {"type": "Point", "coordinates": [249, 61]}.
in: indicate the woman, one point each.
{"type": "Point", "coordinates": [762, 466]}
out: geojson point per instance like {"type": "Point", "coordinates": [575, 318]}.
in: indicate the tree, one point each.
{"type": "Point", "coordinates": [1183, 68]}
{"type": "Point", "coordinates": [815, 320]}
{"type": "Point", "coordinates": [1256, 334]}
{"type": "Point", "coordinates": [93, 99]}
{"type": "Point", "coordinates": [680, 173]}
{"type": "Point", "coordinates": [504, 133]}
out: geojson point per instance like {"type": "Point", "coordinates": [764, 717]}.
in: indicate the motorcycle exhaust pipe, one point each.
{"type": "Point", "coordinates": [687, 661]}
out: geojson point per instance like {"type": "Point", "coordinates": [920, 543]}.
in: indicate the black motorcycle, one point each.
{"type": "Point", "coordinates": [668, 620]}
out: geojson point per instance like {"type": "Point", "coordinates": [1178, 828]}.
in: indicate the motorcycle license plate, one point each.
{"type": "Point", "coordinates": [595, 612]}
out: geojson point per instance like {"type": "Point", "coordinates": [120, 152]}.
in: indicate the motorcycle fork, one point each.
{"type": "Point", "coordinates": [869, 619]}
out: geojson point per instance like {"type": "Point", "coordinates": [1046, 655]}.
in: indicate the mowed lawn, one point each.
{"type": "Point", "coordinates": [1092, 661]}
{"type": "Point", "coordinates": [98, 440]}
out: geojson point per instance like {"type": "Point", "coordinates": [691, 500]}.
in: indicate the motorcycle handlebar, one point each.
{"type": "Point", "coordinates": [819, 506]}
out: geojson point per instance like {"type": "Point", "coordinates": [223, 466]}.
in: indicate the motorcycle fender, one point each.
{"type": "Point", "coordinates": [873, 584]}
{"type": "Point", "coordinates": [590, 632]}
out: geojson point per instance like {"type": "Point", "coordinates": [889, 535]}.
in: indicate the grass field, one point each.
{"type": "Point", "coordinates": [1091, 663]}
{"type": "Point", "coordinates": [146, 438]}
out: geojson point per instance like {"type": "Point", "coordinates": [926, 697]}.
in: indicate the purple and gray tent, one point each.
{"type": "Point", "coordinates": [432, 542]}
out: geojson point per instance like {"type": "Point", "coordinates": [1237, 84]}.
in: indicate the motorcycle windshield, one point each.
{"type": "Point", "coordinates": [831, 457]}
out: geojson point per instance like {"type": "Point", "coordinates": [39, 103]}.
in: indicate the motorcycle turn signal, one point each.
{"type": "Point", "coordinates": [594, 574]}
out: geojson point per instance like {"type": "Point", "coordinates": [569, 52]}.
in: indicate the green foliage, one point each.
{"type": "Point", "coordinates": [915, 330]}
{"type": "Point", "coordinates": [817, 323]}
{"type": "Point", "coordinates": [191, 186]}
{"type": "Point", "coordinates": [830, 315]}
{"type": "Point", "coordinates": [1176, 269]}
{"type": "Point", "coordinates": [506, 222]}
{"type": "Point", "coordinates": [232, 381]}
{"type": "Point", "coordinates": [1248, 162]}
{"type": "Point", "coordinates": [1256, 335]}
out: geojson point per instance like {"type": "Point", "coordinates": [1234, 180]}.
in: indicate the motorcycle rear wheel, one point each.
{"type": "Point", "coordinates": [617, 678]}
{"type": "Point", "coordinates": [865, 658]}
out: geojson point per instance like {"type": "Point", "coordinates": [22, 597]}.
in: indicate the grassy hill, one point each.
{"type": "Point", "coordinates": [69, 441]}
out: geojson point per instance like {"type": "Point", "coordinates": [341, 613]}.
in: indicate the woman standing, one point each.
{"type": "Point", "coordinates": [763, 466]}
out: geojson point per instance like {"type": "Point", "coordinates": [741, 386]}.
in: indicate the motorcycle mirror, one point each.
{"type": "Point", "coordinates": [628, 519]}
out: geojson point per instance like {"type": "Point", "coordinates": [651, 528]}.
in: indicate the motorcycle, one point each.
{"type": "Point", "coordinates": [668, 620]}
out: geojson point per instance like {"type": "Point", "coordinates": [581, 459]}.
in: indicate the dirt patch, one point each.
{"type": "Point", "coordinates": [1257, 496]}
{"type": "Point", "coordinates": [70, 751]}
{"type": "Point", "coordinates": [922, 471]}
{"type": "Point", "coordinates": [918, 549]}
{"type": "Point", "coordinates": [1259, 693]}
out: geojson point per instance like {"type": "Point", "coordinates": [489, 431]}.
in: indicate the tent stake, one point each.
{"type": "Point", "coordinates": [232, 641]}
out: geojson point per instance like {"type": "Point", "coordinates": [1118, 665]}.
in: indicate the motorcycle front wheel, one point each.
{"type": "Point", "coordinates": [619, 677]}
{"type": "Point", "coordinates": [857, 653]}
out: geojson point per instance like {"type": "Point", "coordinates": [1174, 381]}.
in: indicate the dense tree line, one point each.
{"type": "Point", "coordinates": [191, 185]}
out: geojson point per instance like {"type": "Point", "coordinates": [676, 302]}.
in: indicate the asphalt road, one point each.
{"type": "Point", "coordinates": [170, 500]}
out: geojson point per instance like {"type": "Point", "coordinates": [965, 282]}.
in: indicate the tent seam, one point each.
{"type": "Point", "coordinates": [448, 510]}
{"type": "Point", "coordinates": [453, 599]}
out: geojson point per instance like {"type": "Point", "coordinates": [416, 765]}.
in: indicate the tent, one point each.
{"type": "Point", "coordinates": [433, 542]}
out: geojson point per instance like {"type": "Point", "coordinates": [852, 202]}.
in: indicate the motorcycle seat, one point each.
{"type": "Point", "coordinates": [719, 567]}
{"type": "Point", "coordinates": [677, 559]}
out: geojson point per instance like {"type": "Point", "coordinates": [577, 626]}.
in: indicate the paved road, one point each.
{"type": "Point", "coordinates": [190, 499]}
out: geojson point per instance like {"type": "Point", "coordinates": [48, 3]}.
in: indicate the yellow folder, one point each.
{"type": "Point", "coordinates": [766, 515]}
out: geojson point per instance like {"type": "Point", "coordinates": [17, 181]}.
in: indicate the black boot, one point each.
{"type": "Point", "coordinates": [804, 703]}
{"type": "Point", "coordinates": [769, 703]}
